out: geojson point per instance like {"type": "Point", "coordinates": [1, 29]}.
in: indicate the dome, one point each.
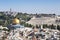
{"type": "Point", "coordinates": [16, 21]}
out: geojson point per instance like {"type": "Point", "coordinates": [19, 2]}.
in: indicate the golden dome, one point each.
{"type": "Point", "coordinates": [16, 21]}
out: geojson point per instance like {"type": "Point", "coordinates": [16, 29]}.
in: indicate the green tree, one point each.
{"type": "Point", "coordinates": [52, 26]}
{"type": "Point", "coordinates": [58, 27]}
{"type": "Point", "coordinates": [45, 26]}
{"type": "Point", "coordinates": [30, 25]}
{"type": "Point", "coordinates": [36, 26]}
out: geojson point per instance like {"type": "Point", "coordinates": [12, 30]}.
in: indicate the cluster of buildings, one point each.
{"type": "Point", "coordinates": [44, 20]}
{"type": "Point", "coordinates": [30, 34]}
{"type": "Point", "coordinates": [18, 32]}
{"type": "Point", "coordinates": [11, 13]}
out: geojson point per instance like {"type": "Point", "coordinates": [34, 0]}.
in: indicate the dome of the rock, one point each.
{"type": "Point", "coordinates": [16, 21]}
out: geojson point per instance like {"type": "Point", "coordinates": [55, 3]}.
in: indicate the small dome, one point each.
{"type": "Point", "coordinates": [16, 21]}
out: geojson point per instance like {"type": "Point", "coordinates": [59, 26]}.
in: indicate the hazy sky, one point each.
{"type": "Point", "coordinates": [31, 6]}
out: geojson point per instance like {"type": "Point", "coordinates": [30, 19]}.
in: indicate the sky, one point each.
{"type": "Point", "coordinates": [31, 6]}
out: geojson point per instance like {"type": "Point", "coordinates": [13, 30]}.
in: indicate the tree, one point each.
{"type": "Point", "coordinates": [52, 26]}
{"type": "Point", "coordinates": [58, 27]}
{"type": "Point", "coordinates": [36, 26]}
{"type": "Point", "coordinates": [45, 26]}
{"type": "Point", "coordinates": [30, 25]}
{"type": "Point", "coordinates": [1, 22]}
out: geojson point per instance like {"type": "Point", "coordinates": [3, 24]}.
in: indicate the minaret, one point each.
{"type": "Point", "coordinates": [10, 11]}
